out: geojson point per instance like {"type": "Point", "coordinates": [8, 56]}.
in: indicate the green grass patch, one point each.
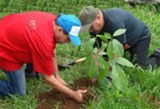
{"type": "Point", "coordinates": [144, 86]}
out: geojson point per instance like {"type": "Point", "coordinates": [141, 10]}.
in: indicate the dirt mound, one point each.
{"type": "Point", "coordinates": [48, 99]}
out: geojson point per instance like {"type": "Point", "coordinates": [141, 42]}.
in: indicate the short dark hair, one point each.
{"type": "Point", "coordinates": [65, 32]}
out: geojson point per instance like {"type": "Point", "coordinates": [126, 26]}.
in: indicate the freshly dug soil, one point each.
{"type": "Point", "coordinates": [47, 100]}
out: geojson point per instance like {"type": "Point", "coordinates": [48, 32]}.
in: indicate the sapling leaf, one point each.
{"type": "Point", "coordinates": [89, 45]}
{"type": "Point", "coordinates": [110, 51]}
{"type": "Point", "coordinates": [104, 46]}
{"type": "Point", "coordinates": [105, 37]}
{"type": "Point", "coordinates": [108, 36]}
{"type": "Point", "coordinates": [102, 53]}
{"type": "Point", "coordinates": [124, 62]}
{"type": "Point", "coordinates": [102, 62]}
{"type": "Point", "coordinates": [92, 41]}
{"type": "Point", "coordinates": [119, 32]}
{"type": "Point", "coordinates": [95, 50]}
{"type": "Point", "coordinates": [91, 67]}
{"type": "Point", "coordinates": [119, 78]}
{"type": "Point", "coordinates": [117, 48]}
{"type": "Point", "coordinates": [101, 74]}
{"type": "Point", "coordinates": [103, 68]}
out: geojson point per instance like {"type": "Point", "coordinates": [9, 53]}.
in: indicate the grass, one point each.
{"type": "Point", "coordinates": [3, 14]}
{"type": "Point", "coordinates": [144, 86]}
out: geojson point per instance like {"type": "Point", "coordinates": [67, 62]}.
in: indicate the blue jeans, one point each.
{"type": "Point", "coordinates": [15, 83]}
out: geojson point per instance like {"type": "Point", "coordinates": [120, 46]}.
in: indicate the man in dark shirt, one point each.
{"type": "Point", "coordinates": [136, 39]}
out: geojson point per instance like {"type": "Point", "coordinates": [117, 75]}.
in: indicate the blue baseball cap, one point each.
{"type": "Point", "coordinates": [72, 25]}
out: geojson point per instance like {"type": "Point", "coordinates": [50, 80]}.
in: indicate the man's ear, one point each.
{"type": "Point", "coordinates": [98, 16]}
{"type": "Point", "coordinates": [59, 29]}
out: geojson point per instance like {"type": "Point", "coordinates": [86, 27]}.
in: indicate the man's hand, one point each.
{"type": "Point", "coordinates": [79, 95]}
{"type": "Point", "coordinates": [55, 83]}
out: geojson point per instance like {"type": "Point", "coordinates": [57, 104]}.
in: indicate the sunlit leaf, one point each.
{"type": "Point", "coordinates": [101, 74]}
{"type": "Point", "coordinates": [119, 32]}
{"type": "Point", "coordinates": [95, 50]}
{"type": "Point", "coordinates": [124, 62]}
{"type": "Point", "coordinates": [119, 78]}
{"type": "Point", "coordinates": [102, 62]}
{"type": "Point", "coordinates": [92, 41]}
{"type": "Point", "coordinates": [103, 69]}
{"type": "Point", "coordinates": [102, 53]}
{"type": "Point", "coordinates": [91, 68]}
{"type": "Point", "coordinates": [105, 37]}
{"type": "Point", "coordinates": [110, 51]}
{"type": "Point", "coordinates": [117, 48]}
{"type": "Point", "coordinates": [104, 46]}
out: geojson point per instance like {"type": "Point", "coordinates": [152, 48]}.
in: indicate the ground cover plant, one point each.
{"type": "Point", "coordinates": [143, 90]}
{"type": "Point", "coordinates": [110, 66]}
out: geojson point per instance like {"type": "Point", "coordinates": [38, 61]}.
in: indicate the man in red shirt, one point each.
{"type": "Point", "coordinates": [31, 37]}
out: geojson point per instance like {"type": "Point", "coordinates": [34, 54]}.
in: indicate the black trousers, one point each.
{"type": "Point", "coordinates": [139, 51]}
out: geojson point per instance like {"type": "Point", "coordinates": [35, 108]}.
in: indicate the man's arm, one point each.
{"type": "Point", "coordinates": [53, 82]}
{"type": "Point", "coordinates": [56, 68]}
{"type": "Point", "coordinates": [58, 83]}
{"type": "Point", "coordinates": [55, 63]}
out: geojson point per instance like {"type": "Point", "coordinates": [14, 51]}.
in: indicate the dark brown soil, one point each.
{"type": "Point", "coordinates": [47, 100]}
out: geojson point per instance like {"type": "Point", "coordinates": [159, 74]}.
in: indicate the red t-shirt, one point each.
{"type": "Point", "coordinates": [27, 38]}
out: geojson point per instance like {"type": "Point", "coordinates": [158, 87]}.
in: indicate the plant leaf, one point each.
{"type": "Point", "coordinates": [119, 78]}
{"type": "Point", "coordinates": [105, 37]}
{"type": "Point", "coordinates": [91, 68]}
{"type": "Point", "coordinates": [103, 69]}
{"type": "Point", "coordinates": [102, 53]}
{"type": "Point", "coordinates": [119, 32]}
{"type": "Point", "coordinates": [110, 51]}
{"type": "Point", "coordinates": [92, 41]}
{"type": "Point", "coordinates": [95, 50]}
{"type": "Point", "coordinates": [117, 48]}
{"type": "Point", "coordinates": [124, 62]}
{"type": "Point", "coordinates": [101, 74]}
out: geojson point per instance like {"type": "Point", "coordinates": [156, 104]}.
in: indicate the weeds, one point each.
{"type": "Point", "coordinates": [143, 86]}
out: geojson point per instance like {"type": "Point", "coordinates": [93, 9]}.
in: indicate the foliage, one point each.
{"type": "Point", "coordinates": [54, 6]}
{"type": "Point", "coordinates": [101, 68]}
{"type": "Point", "coordinates": [143, 86]}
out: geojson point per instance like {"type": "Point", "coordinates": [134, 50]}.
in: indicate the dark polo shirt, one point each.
{"type": "Point", "coordinates": [120, 19]}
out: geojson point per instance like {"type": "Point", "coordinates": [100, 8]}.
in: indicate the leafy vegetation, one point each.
{"type": "Point", "coordinates": [143, 90]}
{"type": "Point", "coordinates": [111, 65]}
